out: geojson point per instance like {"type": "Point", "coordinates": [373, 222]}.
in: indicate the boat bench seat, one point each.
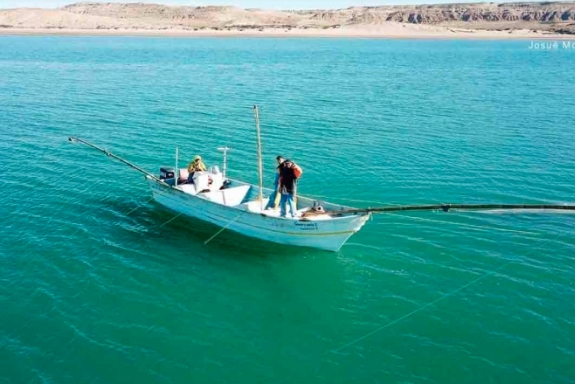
{"type": "Point", "coordinates": [229, 196]}
{"type": "Point", "coordinates": [183, 176]}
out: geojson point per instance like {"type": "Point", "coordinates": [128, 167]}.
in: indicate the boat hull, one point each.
{"type": "Point", "coordinates": [329, 235]}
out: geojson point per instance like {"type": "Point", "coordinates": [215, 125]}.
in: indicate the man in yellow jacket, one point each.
{"type": "Point", "coordinates": [196, 165]}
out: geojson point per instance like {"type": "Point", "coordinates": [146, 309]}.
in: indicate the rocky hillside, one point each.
{"type": "Point", "coordinates": [445, 13]}
{"type": "Point", "coordinates": [558, 16]}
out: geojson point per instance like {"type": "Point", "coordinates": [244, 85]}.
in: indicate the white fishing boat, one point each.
{"type": "Point", "coordinates": [240, 207]}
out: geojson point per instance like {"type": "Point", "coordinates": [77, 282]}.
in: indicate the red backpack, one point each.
{"type": "Point", "coordinates": [297, 170]}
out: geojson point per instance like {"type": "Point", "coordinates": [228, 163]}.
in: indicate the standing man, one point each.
{"type": "Point", "coordinates": [289, 173]}
{"type": "Point", "coordinates": [273, 200]}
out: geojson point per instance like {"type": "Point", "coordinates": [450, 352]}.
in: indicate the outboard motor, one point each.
{"type": "Point", "coordinates": [317, 207]}
{"type": "Point", "coordinates": [168, 175]}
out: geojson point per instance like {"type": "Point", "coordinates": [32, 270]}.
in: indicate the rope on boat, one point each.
{"type": "Point", "coordinates": [110, 154]}
{"type": "Point", "coordinates": [223, 228]}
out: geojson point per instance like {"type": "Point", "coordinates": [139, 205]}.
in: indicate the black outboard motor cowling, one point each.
{"type": "Point", "coordinates": [168, 174]}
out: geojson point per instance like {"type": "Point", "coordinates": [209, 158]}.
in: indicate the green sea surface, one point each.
{"type": "Point", "coordinates": [99, 284]}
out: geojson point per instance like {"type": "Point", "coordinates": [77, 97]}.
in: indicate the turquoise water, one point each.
{"type": "Point", "coordinates": [99, 286]}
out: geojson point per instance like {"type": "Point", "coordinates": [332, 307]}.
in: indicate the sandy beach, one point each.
{"type": "Point", "coordinates": [392, 31]}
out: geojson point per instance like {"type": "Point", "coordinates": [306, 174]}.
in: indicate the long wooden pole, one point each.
{"type": "Point", "coordinates": [260, 161]}
{"type": "Point", "coordinates": [445, 208]}
{"type": "Point", "coordinates": [110, 154]}
{"type": "Point", "coordinates": [342, 212]}
{"type": "Point", "coordinates": [177, 170]}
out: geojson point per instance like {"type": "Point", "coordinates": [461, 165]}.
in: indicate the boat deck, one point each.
{"type": "Point", "coordinates": [256, 207]}
{"type": "Point", "coordinates": [234, 196]}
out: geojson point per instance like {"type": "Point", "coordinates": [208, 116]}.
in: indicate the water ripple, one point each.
{"type": "Point", "coordinates": [94, 289]}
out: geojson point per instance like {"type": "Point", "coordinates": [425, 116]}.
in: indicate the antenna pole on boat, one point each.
{"type": "Point", "coordinates": [260, 163]}
{"type": "Point", "coordinates": [225, 150]}
{"type": "Point", "coordinates": [177, 170]}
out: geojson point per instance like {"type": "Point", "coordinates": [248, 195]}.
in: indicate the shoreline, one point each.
{"type": "Point", "coordinates": [399, 31]}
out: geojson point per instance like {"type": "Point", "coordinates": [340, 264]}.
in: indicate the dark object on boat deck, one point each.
{"type": "Point", "coordinates": [226, 184]}
{"type": "Point", "coordinates": [317, 207]}
{"type": "Point", "coordinates": [167, 173]}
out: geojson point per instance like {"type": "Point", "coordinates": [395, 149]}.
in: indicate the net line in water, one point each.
{"type": "Point", "coordinates": [441, 298]}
